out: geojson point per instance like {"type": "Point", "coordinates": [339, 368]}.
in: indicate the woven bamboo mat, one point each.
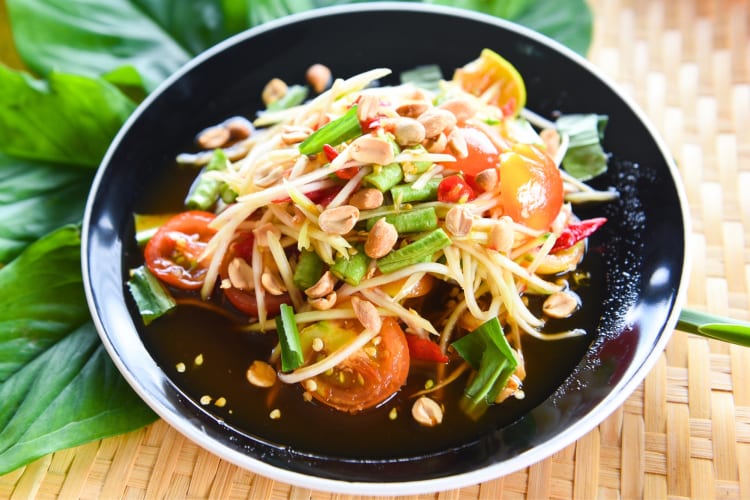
{"type": "Point", "coordinates": [685, 432]}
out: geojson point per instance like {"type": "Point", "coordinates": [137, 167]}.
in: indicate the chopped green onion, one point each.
{"type": "Point", "coordinates": [414, 252]}
{"type": "Point", "coordinates": [385, 177]}
{"type": "Point", "coordinates": [405, 193]}
{"type": "Point", "coordinates": [585, 157]}
{"type": "Point", "coordinates": [487, 351]}
{"type": "Point", "coordinates": [413, 221]}
{"type": "Point", "coordinates": [291, 349]}
{"type": "Point", "coordinates": [151, 297]}
{"type": "Point", "coordinates": [333, 133]}
{"type": "Point", "coordinates": [310, 267]}
{"type": "Point", "coordinates": [295, 94]}
{"type": "Point", "coordinates": [353, 269]}
{"type": "Point", "coordinates": [205, 189]}
{"type": "Point", "coordinates": [715, 327]}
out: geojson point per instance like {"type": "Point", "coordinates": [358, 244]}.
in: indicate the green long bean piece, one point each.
{"type": "Point", "coordinates": [414, 252]}
{"type": "Point", "coordinates": [405, 193]}
{"type": "Point", "coordinates": [310, 267]}
{"type": "Point", "coordinates": [353, 269]}
{"type": "Point", "coordinates": [385, 177]}
{"type": "Point", "coordinates": [205, 189]}
{"type": "Point", "coordinates": [413, 221]}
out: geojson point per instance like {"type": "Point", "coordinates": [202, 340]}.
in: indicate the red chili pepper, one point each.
{"type": "Point", "coordinates": [330, 152]}
{"type": "Point", "coordinates": [455, 189]}
{"type": "Point", "coordinates": [576, 232]}
{"type": "Point", "coordinates": [424, 349]}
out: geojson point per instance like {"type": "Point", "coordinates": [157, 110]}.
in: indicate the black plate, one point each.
{"type": "Point", "coordinates": [642, 247]}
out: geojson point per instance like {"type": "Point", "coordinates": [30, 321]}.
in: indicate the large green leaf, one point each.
{"type": "Point", "coordinates": [68, 119]}
{"type": "Point", "coordinates": [69, 395]}
{"type": "Point", "coordinates": [92, 37]}
{"type": "Point", "coordinates": [57, 385]}
{"type": "Point", "coordinates": [36, 198]}
{"type": "Point", "coordinates": [43, 298]}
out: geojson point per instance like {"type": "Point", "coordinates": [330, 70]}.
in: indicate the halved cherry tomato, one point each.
{"type": "Point", "coordinates": [531, 188]}
{"type": "Point", "coordinates": [367, 378]}
{"type": "Point", "coordinates": [245, 300]}
{"type": "Point", "coordinates": [455, 189]}
{"type": "Point", "coordinates": [173, 253]}
{"type": "Point", "coordinates": [419, 289]}
{"type": "Point", "coordinates": [482, 153]}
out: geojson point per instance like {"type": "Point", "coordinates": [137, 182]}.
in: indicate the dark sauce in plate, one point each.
{"type": "Point", "coordinates": [216, 353]}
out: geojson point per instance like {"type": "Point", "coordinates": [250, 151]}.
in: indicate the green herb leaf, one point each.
{"type": "Point", "coordinates": [489, 353]}
{"type": "Point", "coordinates": [57, 384]}
{"type": "Point", "coordinates": [93, 37]}
{"type": "Point", "coordinates": [291, 349]}
{"type": "Point", "coordinates": [43, 298]}
{"type": "Point", "coordinates": [585, 158]}
{"type": "Point", "coordinates": [67, 119]}
{"type": "Point", "coordinates": [36, 198]}
{"type": "Point", "coordinates": [67, 396]}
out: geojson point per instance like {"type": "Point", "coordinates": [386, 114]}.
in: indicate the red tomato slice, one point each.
{"type": "Point", "coordinates": [367, 378]}
{"type": "Point", "coordinates": [482, 153]}
{"type": "Point", "coordinates": [531, 188]}
{"type": "Point", "coordinates": [173, 253]}
{"type": "Point", "coordinates": [245, 300]}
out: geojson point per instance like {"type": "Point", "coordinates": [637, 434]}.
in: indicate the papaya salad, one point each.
{"type": "Point", "coordinates": [369, 227]}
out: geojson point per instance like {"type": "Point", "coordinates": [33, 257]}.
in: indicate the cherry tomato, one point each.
{"type": "Point", "coordinates": [455, 189]}
{"type": "Point", "coordinates": [367, 378]}
{"type": "Point", "coordinates": [245, 300]}
{"type": "Point", "coordinates": [531, 188]}
{"type": "Point", "coordinates": [482, 153]}
{"type": "Point", "coordinates": [173, 253]}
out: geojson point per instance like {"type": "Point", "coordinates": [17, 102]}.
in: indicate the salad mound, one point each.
{"type": "Point", "coordinates": [375, 228]}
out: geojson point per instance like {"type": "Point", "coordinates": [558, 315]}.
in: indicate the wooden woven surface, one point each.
{"type": "Point", "coordinates": [685, 432]}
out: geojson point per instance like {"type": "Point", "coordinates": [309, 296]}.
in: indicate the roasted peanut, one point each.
{"type": "Point", "coordinates": [462, 108]}
{"type": "Point", "coordinates": [487, 179]}
{"type": "Point", "coordinates": [213, 137]}
{"type": "Point", "coordinates": [501, 235]}
{"type": "Point", "coordinates": [367, 314]}
{"type": "Point", "coordinates": [261, 233]}
{"type": "Point", "coordinates": [367, 108]}
{"type": "Point", "coordinates": [239, 128]}
{"type": "Point", "coordinates": [458, 220]}
{"type": "Point", "coordinates": [560, 305]}
{"type": "Point", "coordinates": [370, 149]}
{"type": "Point", "coordinates": [240, 274]}
{"type": "Point", "coordinates": [457, 143]}
{"type": "Point", "coordinates": [272, 284]}
{"type": "Point", "coordinates": [339, 220]}
{"type": "Point", "coordinates": [319, 77]}
{"type": "Point", "coordinates": [436, 144]}
{"type": "Point", "coordinates": [366, 199]}
{"type": "Point", "coordinates": [261, 374]}
{"type": "Point", "coordinates": [412, 108]}
{"type": "Point", "coordinates": [274, 90]}
{"type": "Point", "coordinates": [436, 121]}
{"type": "Point", "coordinates": [427, 412]}
{"type": "Point", "coordinates": [381, 239]}
{"type": "Point", "coordinates": [268, 174]}
{"type": "Point", "coordinates": [322, 287]}
{"type": "Point", "coordinates": [323, 303]}
{"type": "Point", "coordinates": [407, 131]}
